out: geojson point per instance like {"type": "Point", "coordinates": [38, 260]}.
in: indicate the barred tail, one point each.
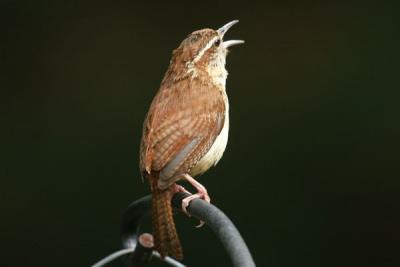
{"type": "Point", "coordinates": [166, 240]}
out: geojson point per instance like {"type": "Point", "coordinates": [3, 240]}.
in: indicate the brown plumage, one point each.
{"type": "Point", "coordinates": [182, 130]}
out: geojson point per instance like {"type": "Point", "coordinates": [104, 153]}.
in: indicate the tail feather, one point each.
{"type": "Point", "coordinates": [166, 240]}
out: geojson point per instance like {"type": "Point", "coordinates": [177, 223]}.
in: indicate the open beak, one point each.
{"type": "Point", "coordinates": [221, 31]}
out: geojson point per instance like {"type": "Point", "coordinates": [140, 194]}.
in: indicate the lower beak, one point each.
{"type": "Point", "coordinates": [229, 43]}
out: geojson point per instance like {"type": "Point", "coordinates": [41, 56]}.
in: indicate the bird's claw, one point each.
{"type": "Point", "coordinates": [186, 201]}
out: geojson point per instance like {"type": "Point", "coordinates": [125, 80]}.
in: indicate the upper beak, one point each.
{"type": "Point", "coordinates": [221, 31]}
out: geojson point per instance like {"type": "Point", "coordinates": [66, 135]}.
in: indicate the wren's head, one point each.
{"type": "Point", "coordinates": [203, 51]}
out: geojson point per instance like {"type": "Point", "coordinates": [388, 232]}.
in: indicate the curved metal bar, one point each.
{"type": "Point", "coordinates": [221, 225]}
{"type": "Point", "coordinates": [113, 256]}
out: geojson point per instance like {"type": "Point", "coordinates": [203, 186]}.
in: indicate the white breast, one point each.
{"type": "Point", "coordinates": [217, 149]}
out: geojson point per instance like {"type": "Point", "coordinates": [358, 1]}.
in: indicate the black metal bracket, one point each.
{"type": "Point", "coordinates": [140, 246]}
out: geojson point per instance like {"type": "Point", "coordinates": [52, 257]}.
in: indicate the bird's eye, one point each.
{"type": "Point", "coordinates": [217, 42]}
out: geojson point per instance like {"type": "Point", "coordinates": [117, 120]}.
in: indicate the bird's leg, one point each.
{"type": "Point", "coordinates": [201, 191]}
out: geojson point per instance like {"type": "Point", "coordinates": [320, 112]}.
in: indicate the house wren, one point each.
{"type": "Point", "coordinates": [185, 131]}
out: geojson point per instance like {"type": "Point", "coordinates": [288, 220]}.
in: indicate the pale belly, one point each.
{"type": "Point", "coordinates": [216, 151]}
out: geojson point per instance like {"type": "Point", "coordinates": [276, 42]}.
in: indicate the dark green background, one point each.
{"type": "Point", "coordinates": [311, 172]}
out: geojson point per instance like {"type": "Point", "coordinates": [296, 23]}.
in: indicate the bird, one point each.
{"type": "Point", "coordinates": [185, 131]}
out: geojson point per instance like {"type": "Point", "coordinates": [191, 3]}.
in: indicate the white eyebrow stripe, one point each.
{"type": "Point", "coordinates": [201, 53]}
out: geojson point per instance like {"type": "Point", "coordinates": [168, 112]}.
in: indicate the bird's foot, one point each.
{"type": "Point", "coordinates": [201, 193]}
{"type": "Point", "coordinates": [178, 188]}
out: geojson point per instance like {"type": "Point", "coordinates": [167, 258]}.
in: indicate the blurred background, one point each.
{"type": "Point", "coordinates": [311, 172]}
